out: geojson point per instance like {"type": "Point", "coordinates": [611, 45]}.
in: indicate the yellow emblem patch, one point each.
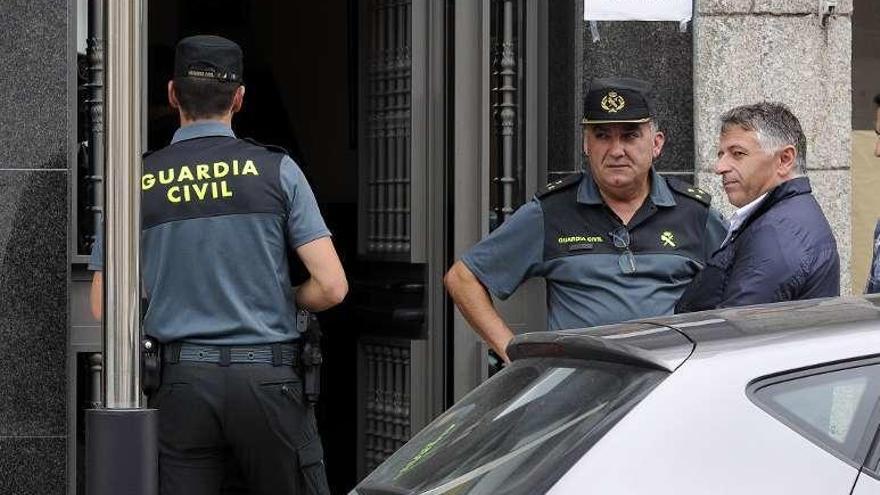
{"type": "Point", "coordinates": [613, 102]}
{"type": "Point", "coordinates": [668, 238]}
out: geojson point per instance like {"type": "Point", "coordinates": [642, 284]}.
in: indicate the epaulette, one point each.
{"type": "Point", "coordinates": [270, 147]}
{"type": "Point", "coordinates": [689, 190]}
{"type": "Point", "coordinates": [559, 185]}
{"type": "Point", "coordinates": [147, 153]}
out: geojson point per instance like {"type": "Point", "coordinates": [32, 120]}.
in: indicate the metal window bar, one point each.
{"type": "Point", "coordinates": [387, 406]}
{"type": "Point", "coordinates": [95, 103]}
{"type": "Point", "coordinates": [89, 192]}
{"type": "Point", "coordinates": [506, 162]}
{"type": "Point", "coordinates": [388, 127]}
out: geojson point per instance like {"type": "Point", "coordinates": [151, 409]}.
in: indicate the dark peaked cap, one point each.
{"type": "Point", "coordinates": [618, 100]}
{"type": "Point", "coordinates": [208, 57]}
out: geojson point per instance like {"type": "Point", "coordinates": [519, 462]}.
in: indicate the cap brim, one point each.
{"type": "Point", "coordinates": [624, 121]}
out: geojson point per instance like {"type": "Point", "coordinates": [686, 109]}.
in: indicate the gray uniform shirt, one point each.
{"type": "Point", "coordinates": [205, 286]}
{"type": "Point", "coordinates": [565, 237]}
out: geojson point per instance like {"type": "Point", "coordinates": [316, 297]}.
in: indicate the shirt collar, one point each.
{"type": "Point", "coordinates": [588, 191]}
{"type": "Point", "coordinates": [740, 216]}
{"type": "Point", "coordinates": [202, 129]}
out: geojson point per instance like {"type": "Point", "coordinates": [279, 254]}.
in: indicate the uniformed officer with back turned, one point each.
{"type": "Point", "coordinates": [222, 218]}
{"type": "Point", "coordinates": [615, 242]}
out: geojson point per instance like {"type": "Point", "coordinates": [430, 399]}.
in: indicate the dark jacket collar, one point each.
{"type": "Point", "coordinates": [788, 189]}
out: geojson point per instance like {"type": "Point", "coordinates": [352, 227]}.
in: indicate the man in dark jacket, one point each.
{"type": "Point", "coordinates": [779, 246]}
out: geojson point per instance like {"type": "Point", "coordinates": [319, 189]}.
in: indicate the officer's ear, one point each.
{"type": "Point", "coordinates": [237, 99]}
{"type": "Point", "coordinates": [657, 145]}
{"type": "Point", "coordinates": [172, 96]}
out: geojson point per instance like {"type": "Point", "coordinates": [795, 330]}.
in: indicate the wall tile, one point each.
{"type": "Point", "coordinates": [745, 59]}
{"type": "Point", "coordinates": [33, 466]}
{"type": "Point", "coordinates": [33, 302]}
{"type": "Point", "coordinates": [33, 54]}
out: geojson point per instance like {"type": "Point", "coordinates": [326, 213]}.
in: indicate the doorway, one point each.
{"type": "Point", "coordinates": [300, 76]}
{"type": "Point", "coordinates": [342, 85]}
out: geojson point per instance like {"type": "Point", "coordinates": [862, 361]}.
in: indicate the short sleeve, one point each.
{"type": "Point", "coordinates": [96, 258]}
{"type": "Point", "coordinates": [304, 222]}
{"type": "Point", "coordinates": [511, 254]}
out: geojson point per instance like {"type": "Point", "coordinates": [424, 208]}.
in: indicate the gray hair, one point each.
{"type": "Point", "coordinates": [775, 126]}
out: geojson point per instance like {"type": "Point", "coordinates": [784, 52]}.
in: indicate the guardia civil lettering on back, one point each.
{"type": "Point", "coordinates": [222, 219]}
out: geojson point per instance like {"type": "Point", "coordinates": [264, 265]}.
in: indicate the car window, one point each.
{"type": "Point", "coordinates": [518, 432]}
{"type": "Point", "coordinates": [832, 408]}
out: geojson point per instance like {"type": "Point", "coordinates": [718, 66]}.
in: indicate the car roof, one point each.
{"type": "Point", "coordinates": [666, 342]}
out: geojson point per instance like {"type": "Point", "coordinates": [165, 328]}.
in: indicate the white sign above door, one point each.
{"type": "Point", "coordinates": [638, 10]}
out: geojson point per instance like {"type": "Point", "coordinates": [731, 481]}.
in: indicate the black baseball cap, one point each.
{"type": "Point", "coordinates": [618, 100]}
{"type": "Point", "coordinates": [208, 57]}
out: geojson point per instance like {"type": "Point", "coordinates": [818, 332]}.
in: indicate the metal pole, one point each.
{"type": "Point", "coordinates": [121, 442]}
{"type": "Point", "coordinates": [122, 204]}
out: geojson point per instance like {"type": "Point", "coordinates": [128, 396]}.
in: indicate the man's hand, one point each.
{"type": "Point", "coordinates": [326, 286]}
{"type": "Point", "coordinates": [475, 304]}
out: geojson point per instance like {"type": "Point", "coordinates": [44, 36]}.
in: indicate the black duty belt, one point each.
{"type": "Point", "coordinates": [274, 354]}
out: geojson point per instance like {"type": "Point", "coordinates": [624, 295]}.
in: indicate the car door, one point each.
{"type": "Point", "coordinates": [837, 407]}
{"type": "Point", "coordinates": [867, 484]}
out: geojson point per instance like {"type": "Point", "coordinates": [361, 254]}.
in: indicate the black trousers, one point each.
{"type": "Point", "coordinates": [237, 429]}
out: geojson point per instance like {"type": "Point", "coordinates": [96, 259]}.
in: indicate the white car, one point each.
{"type": "Point", "coordinates": [773, 399]}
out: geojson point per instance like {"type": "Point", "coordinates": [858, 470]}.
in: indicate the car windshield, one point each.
{"type": "Point", "coordinates": [517, 433]}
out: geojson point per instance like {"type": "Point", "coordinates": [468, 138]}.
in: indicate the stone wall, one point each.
{"type": "Point", "coordinates": [750, 50]}
{"type": "Point", "coordinates": [33, 245]}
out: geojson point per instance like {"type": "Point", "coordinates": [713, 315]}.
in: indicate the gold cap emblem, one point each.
{"type": "Point", "coordinates": [613, 102]}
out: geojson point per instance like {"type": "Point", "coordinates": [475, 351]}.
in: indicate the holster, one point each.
{"type": "Point", "coordinates": [151, 365]}
{"type": "Point", "coordinates": [311, 358]}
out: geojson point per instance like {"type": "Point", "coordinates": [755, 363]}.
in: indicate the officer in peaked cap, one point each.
{"type": "Point", "coordinates": [208, 57]}
{"type": "Point", "coordinates": [618, 101]}
{"type": "Point", "coordinates": [222, 217]}
{"type": "Point", "coordinates": [614, 242]}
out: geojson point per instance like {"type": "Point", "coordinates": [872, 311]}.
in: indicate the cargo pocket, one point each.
{"type": "Point", "coordinates": [285, 415]}
{"type": "Point", "coordinates": [311, 463]}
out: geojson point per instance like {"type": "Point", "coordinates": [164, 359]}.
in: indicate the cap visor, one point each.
{"type": "Point", "coordinates": [622, 121]}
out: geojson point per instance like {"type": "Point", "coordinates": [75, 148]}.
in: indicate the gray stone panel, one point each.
{"type": "Point", "coordinates": [33, 302]}
{"type": "Point", "coordinates": [831, 189]}
{"type": "Point", "coordinates": [34, 104]}
{"type": "Point", "coordinates": [660, 53]}
{"type": "Point", "coordinates": [767, 6]}
{"type": "Point", "coordinates": [744, 59]}
{"type": "Point", "coordinates": [797, 7]}
{"type": "Point", "coordinates": [724, 6]}
{"type": "Point", "coordinates": [33, 466]}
